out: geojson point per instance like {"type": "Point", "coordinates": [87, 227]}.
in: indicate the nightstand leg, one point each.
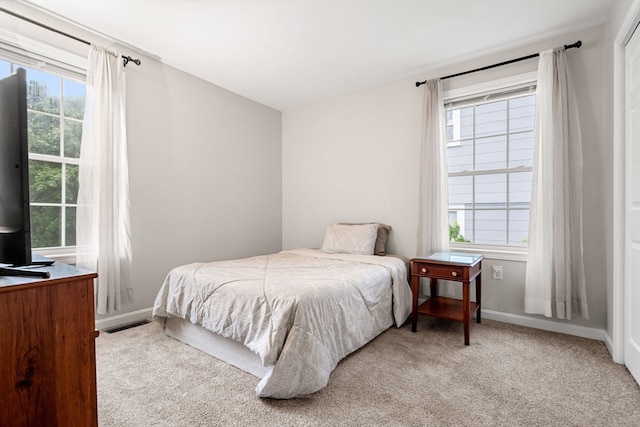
{"type": "Point", "coordinates": [433, 287]}
{"type": "Point", "coordinates": [465, 307]}
{"type": "Point", "coordinates": [415, 288]}
{"type": "Point", "coordinates": [478, 295]}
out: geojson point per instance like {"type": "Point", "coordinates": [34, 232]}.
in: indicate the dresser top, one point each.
{"type": "Point", "coordinates": [57, 271]}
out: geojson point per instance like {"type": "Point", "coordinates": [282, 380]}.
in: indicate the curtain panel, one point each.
{"type": "Point", "coordinates": [555, 279]}
{"type": "Point", "coordinates": [103, 224]}
{"type": "Point", "coordinates": [433, 225]}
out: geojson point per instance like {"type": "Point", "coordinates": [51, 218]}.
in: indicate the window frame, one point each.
{"type": "Point", "coordinates": [65, 65]}
{"type": "Point", "coordinates": [499, 252]}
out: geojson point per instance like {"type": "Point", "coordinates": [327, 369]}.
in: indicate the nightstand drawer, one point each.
{"type": "Point", "coordinates": [448, 272]}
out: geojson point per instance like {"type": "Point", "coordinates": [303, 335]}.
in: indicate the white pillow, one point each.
{"type": "Point", "coordinates": [350, 239]}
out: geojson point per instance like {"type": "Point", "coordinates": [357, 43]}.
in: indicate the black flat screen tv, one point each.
{"type": "Point", "coordinates": [15, 236]}
{"type": "Point", "coordinates": [15, 215]}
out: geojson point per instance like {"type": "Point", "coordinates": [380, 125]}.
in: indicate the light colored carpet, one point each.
{"type": "Point", "coordinates": [508, 376]}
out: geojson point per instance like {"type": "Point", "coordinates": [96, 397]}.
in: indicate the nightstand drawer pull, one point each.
{"type": "Point", "coordinates": [454, 273]}
{"type": "Point", "coordinates": [424, 270]}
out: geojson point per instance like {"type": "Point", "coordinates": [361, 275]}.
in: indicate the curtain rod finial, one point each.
{"type": "Point", "coordinates": [577, 44]}
{"type": "Point", "coordinates": [127, 59]}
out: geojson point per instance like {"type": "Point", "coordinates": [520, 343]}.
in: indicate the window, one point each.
{"type": "Point", "coordinates": [490, 160]}
{"type": "Point", "coordinates": [55, 112]}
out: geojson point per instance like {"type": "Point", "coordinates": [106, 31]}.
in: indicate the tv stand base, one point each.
{"type": "Point", "coordinates": [10, 271]}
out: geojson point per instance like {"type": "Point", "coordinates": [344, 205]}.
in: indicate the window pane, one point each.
{"type": "Point", "coordinates": [491, 118]}
{"type": "Point", "coordinates": [459, 123]}
{"type": "Point", "coordinates": [43, 92]}
{"type": "Point", "coordinates": [5, 68]}
{"type": "Point", "coordinates": [46, 226]}
{"type": "Point", "coordinates": [44, 134]}
{"type": "Point", "coordinates": [491, 152]}
{"type": "Point", "coordinates": [72, 138]}
{"type": "Point", "coordinates": [460, 191]}
{"type": "Point", "coordinates": [56, 105]}
{"type": "Point", "coordinates": [460, 222]}
{"type": "Point", "coordinates": [70, 227]}
{"type": "Point", "coordinates": [453, 217]}
{"type": "Point", "coordinates": [490, 156]}
{"type": "Point", "coordinates": [45, 182]}
{"type": "Point", "coordinates": [466, 122]}
{"type": "Point", "coordinates": [491, 190]}
{"type": "Point", "coordinates": [71, 183]}
{"type": "Point", "coordinates": [522, 112]}
{"type": "Point", "coordinates": [521, 149]}
{"type": "Point", "coordinates": [520, 189]}
{"type": "Point", "coordinates": [74, 96]}
{"type": "Point", "coordinates": [460, 157]}
{"type": "Point", "coordinates": [519, 227]}
{"type": "Point", "coordinates": [491, 227]}
{"type": "Point", "coordinates": [467, 225]}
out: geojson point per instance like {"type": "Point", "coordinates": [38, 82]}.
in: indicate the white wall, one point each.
{"type": "Point", "coordinates": [355, 158]}
{"type": "Point", "coordinates": [352, 159]}
{"type": "Point", "coordinates": [205, 175]}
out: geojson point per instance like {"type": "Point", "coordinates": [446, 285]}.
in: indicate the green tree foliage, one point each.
{"type": "Point", "coordinates": [74, 107]}
{"type": "Point", "coordinates": [72, 184]}
{"type": "Point", "coordinates": [72, 138]}
{"type": "Point", "coordinates": [454, 233]}
{"type": "Point", "coordinates": [44, 134]}
{"type": "Point", "coordinates": [44, 131]}
{"type": "Point", "coordinates": [46, 226]}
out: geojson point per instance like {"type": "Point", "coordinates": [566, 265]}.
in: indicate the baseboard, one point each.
{"type": "Point", "coordinates": [546, 325]}
{"type": "Point", "coordinates": [121, 319]}
{"type": "Point", "coordinates": [608, 341]}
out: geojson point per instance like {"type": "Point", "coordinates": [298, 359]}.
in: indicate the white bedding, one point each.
{"type": "Point", "coordinates": [301, 311]}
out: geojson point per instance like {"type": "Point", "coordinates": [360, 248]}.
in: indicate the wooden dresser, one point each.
{"type": "Point", "coordinates": [47, 349]}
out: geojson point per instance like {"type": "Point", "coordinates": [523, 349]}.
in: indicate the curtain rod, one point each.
{"type": "Point", "coordinates": [511, 61]}
{"type": "Point", "coordinates": [125, 59]}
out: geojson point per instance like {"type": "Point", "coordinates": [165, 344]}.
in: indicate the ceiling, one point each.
{"type": "Point", "coordinates": [287, 54]}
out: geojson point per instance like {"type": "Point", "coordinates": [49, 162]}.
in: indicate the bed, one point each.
{"type": "Point", "coordinates": [288, 318]}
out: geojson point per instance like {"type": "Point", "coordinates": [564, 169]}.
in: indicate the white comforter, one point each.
{"type": "Point", "coordinates": [301, 311]}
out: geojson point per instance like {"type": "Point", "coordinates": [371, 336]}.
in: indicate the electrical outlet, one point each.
{"type": "Point", "coordinates": [496, 272]}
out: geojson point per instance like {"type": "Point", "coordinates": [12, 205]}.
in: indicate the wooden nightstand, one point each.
{"type": "Point", "coordinates": [458, 267]}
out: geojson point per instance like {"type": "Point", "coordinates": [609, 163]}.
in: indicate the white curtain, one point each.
{"type": "Point", "coordinates": [102, 224]}
{"type": "Point", "coordinates": [433, 224]}
{"type": "Point", "coordinates": [555, 281]}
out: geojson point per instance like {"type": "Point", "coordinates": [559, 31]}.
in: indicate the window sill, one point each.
{"type": "Point", "coordinates": [498, 253]}
{"type": "Point", "coordinates": [65, 255]}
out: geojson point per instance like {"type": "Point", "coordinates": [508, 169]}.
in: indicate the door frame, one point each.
{"type": "Point", "coordinates": [619, 173]}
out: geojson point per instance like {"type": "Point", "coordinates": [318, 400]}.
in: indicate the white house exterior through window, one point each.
{"type": "Point", "coordinates": [490, 158]}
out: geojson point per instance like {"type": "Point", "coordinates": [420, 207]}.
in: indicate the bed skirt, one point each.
{"type": "Point", "coordinates": [223, 348]}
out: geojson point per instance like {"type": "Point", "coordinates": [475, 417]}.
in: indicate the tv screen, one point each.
{"type": "Point", "coordinates": [15, 237]}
